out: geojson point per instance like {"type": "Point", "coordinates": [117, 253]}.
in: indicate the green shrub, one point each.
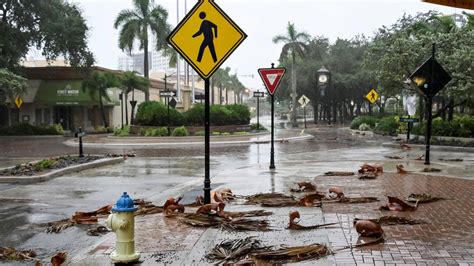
{"type": "Point", "coordinates": [364, 127]}
{"type": "Point", "coordinates": [239, 133]}
{"type": "Point", "coordinates": [215, 133]}
{"type": "Point", "coordinates": [180, 132]}
{"type": "Point", "coordinates": [160, 132]}
{"type": "Point", "coordinates": [241, 112]}
{"type": "Point", "coordinates": [122, 132]}
{"type": "Point", "coordinates": [369, 120]}
{"type": "Point", "coordinates": [225, 134]}
{"type": "Point", "coordinates": [254, 127]}
{"type": "Point", "coordinates": [24, 129]}
{"type": "Point", "coordinates": [143, 131]}
{"type": "Point", "coordinates": [387, 125]}
{"type": "Point", "coordinates": [44, 164]}
{"type": "Point", "coordinates": [156, 114]}
{"type": "Point", "coordinates": [220, 116]}
{"type": "Point", "coordinates": [195, 115]}
{"type": "Point", "coordinates": [200, 133]}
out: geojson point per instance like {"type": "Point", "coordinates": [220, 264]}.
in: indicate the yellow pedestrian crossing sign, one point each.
{"type": "Point", "coordinates": [206, 37]}
{"type": "Point", "coordinates": [372, 96]}
{"type": "Point", "coordinates": [18, 101]}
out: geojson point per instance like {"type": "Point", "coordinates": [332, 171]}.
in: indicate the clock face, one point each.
{"type": "Point", "coordinates": [323, 79]}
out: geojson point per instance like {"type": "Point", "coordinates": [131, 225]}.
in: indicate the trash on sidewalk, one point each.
{"type": "Point", "coordinates": [293, 254]}
{"type": "Point", "coordinates": [422, 198]}
{"type": "Point", "coordinates": [338, 173]}
{"type": "Point", "coordinates": [293, 225]}
{"type": "Point", "coordinates": [304, 186]}
{"type": "Point", "coordinates": [396, 204]}
{"type": "Point", "coordinates": [7, 253]}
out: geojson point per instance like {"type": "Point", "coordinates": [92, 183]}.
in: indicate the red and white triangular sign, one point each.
{"type": "Point", "coordinates": [271, 77]}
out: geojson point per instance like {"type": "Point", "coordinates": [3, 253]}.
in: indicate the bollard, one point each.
{"type": "Point", "coordinates": [122, 222]}
{"type": "Point", "coordinates": [79, 134]}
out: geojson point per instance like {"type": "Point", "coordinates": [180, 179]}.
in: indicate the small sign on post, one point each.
{"type": "Point", "coordinates": [372, 96]}
{"type": "Point", "coordinates": [167, 94]}
{"type": "Point", "coordinates": [303, 102]}
{"type": "Point", "coordinates": [18, 101]}
{"type": "Point", "coordinates": [80, 134]}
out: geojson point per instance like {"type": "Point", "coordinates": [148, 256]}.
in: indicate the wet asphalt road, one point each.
{"type": "Point", "coordinates": [158, 173]}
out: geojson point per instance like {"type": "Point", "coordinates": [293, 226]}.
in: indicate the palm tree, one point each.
{"type": "Point", "coordinates": [221, 79]}
{"type": "Point", "coordinates": [98, 83]}
{"type": "Point", "coordinates": [136, 24]}
{"type": "Point", "coordinates": [237, 87]}
{"type": "Point", "coordinates": [130, 82]}
{"type": "Point", "coordinates": [294, 45]}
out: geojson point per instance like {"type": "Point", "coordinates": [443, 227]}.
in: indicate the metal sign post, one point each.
{"type": "Point", "coordinates": [258, 95]}
{"type": "Point", "coordinates": [430, 78]}
{"type": "Point", "coordinates": [304, 101]}
{"type": "Point", "coordinates": [197, 40]}
{"type": "Point", "coordinates": [271, 78]}
{"type": "Point", "coordinates": [80, 134]}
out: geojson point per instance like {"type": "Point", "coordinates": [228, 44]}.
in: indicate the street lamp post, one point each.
{"type": "Point", "coordinates": [323, 77]}
{"type": "Point", "coordinates": [168, 102]}
{"type": "Point", "coordinates": [121, 106]}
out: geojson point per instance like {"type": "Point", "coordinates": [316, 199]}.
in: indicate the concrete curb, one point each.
{"type": "Point", "coordinates": [60, 172]}
{"type": "Point", "coordinates": [432, 147]}
{"type": "Point", "coordinates": [263, 141]}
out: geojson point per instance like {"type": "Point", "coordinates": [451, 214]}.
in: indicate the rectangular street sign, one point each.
{"type": "Point", "coordinates": [409, 119]}
{"type": "Point", "coordinates": [258, 94]}
{"type": "Point", "coordinates": [200, 97]}
{"type": "Point", "coordinates": [167, 94]}
{"type": "Point", "coordinates": [80, 134]}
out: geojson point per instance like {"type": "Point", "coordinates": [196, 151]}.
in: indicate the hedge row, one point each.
{"type": "Point", "coordinates": [460, 126]}
{"type": "Point", "coordinates": [156, 114]}
{"type": "Point", "coordinates": [26, 129]}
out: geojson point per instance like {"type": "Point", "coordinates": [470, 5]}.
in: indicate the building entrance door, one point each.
{"type": "Point", "coordinates": [64, 115]}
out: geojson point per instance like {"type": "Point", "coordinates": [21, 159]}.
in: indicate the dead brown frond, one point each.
{"type": "Point", "coordinates": [338, 173]}
{"type": "Point", "coordinates": [7, 253]}
{"type": "Point", "coordinates": [223, 195]}
{"type": "Point", "coordinates": [394, 220]}
{"type": "Point", "coordinates": [254, 213]}
{"type": "Point", "coordinates": [293, 225]}
{"type": "Point", "coordinates": [395, 157]}
{"type": "Point", "coordinates": [420, 158]}
{"type": "Point", "coordinates": [431, 170]}
{"type": "Point", "coordinates": [401, 169]}
{"type": "Point", "coordinates": [422, 198]}
{"type": "Point", "coordinates": [451, 159]}
{"type": "Point", "coordinates": [293, 254]}
{"type": "Point", "coordinates": [58, 226]}
{"type": "Point", "coordinates": [304, 186]}
{"type": "Point", "coordinates": [355, 200]}
{"type": "Point", "coordinates": [311, 200]}
{"type": "Point", "coordinates": [368, 228]}
{"type": "Point", "coordinates": [206, 220]}
{"type": "Point", "coordinates": [367, 175]}
{"type": "Point", "coordinates": [58, 259]}
{"type": "Point", "coordinates": [370, 168]}
{"type": "Point", "coordinates": [265, 197]}
{"type": "Point", "coordinates": [99, 230]}
{"type": "Point", "coordinates": [396, 204]}
{"type": "Point", "coordinates": [235, 249]}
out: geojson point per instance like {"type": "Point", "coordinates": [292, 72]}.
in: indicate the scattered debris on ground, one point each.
{"type": "Point", "coordinates": [231, 250]}
{"type": "Point", "coordinates": [368, 228]}
{"type": "Point", "coordinates": [282, 200]}
{"type": "Point", "coordinates": [337, 191]}
{"type": "Point", "coordinates": [146, 207]}
{"type": "Point", "coordinates": [98, 231]}
{"type": "Point", "coordinates": [304, 186]}
{"type": "Point", "coordinates": [7, 253]}
{"type": "Point", "coordinates": [338, 173]}
{"type": "Point", "coordinates": [85, 218]}
{"type": "Point", "coordinates": [396, 204]}
{"type": "Point", "coordinates": [223, 195]}
{"type": "Point", "coordinates": [293, 225]}
{"type": "Point", "coordinates": [401, 169]}
{"type": "Point", "coordinates": [172, 206]}
{"type": "Point", "coordinates": [370, 168]}
{"type": "Point", "coordinates": [58, 259]}
{"type": "Point", "coordinates": [354, 200]}
{"type": "Point", "coordinates": [393, 220]}
{"type": "Point", "coordinates": [293, 254]}
{"type": "Point", "coordinates": [451, 159]}
{"type": "Point", "coordinates": [367, 175]}
{"type": "Point", "coordinates": [420, 158]}
{"type": "Point", "coordinates": [405, 146]}
{"type": "Point", "coordinates": [395, 157]}
{"type": "Point", "coordinates": [431, 170]}
{"type": "Point", "coordinates": [124, 155]}
{"type": "Point", "coordinates": [242, 224]}
{"type": "Point", "coordinates": [422, 198]}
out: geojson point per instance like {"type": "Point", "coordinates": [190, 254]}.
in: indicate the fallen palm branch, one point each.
{"type": "Point", "coordinates": [373, 242]}
{"type": "Point", "coordinates": [7, 253]}
{"type": "Point", "coordinates": [266, 197]}
{"type": "Point", "coordinates": [58, 226]}
{"type": "Point", "coordinates": [293, 254]}
{"type": "Point", "coordinates": [431, 170]}
{"type": "Point", "coordinates": [304, 186]}
{"type": "Point", "coordinates": [235, 249]}
{"type": "Point", "coordinates": [254, 213]}
{"type": "Point", "coordinates": [99, 230]}
{"type": "Point", "coordinates": [370, 168]}
{"type": "Point", "coordinates": [394, 220]}
{"type": "Point", "coordinates": [223, 195]}
{"type": "Point", "coordinates": [146, 207]}
{"type": "Point", "coordinates": [422, 198]}
{"type": "Point", "coordinates": [396, 204]}
{"type": "Point", "coordinates": [367, 175]}
{"type": "Point", "coordinates": [354, 200]}
{"type": "Point", "coordinates": [58, 259]}
{"type": "Point", "coordinates": [205, 220]}
{"type": "Point", "coordinates": [293, 225]}
{"type": "Point", "coordinates": [338, 173]}
{"type": "Point", "coordinates": [395, 157]}
{"type": "Point", "coordinates": [451, 159]}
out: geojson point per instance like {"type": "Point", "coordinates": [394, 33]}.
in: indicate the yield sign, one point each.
{"type": "Point", "coordinates": [271, 77]}
{"type": "Point", "coordinates": [206, 37]}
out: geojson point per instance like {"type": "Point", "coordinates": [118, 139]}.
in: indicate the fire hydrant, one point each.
{"type": "Point", "coordinates": [122, 222]}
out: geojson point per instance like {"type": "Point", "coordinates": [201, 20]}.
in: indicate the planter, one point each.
{"type": "Point", "coordinates": [193, 129]}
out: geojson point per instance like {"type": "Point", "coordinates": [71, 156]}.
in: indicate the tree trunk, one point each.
{"type": "Point", "coordinates": [145, 67]}
{"type": "Point", "coordinates": [226, 96]}
{"type": "Point", "coordinates": [315, 112]}
{"type": "Point", "coordinates": [220, 95]}
{"type": "Point", "coordinates": [126, 108]}
{"type": "Point", "coordinates": [294, 121]}
{"type": "Point", "coordinates": [102, 111]}
{"type": "Point", "coordinates": [443, 105]}
{"type": "Point", "coordinates": [451, 110]}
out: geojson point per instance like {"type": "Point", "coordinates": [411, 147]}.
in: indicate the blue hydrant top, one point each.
{"type": "Point", "coordinates": [124, 204]}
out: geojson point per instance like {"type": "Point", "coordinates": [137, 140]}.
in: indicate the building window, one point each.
{"type": "Point", "coordinates": [38, 116]}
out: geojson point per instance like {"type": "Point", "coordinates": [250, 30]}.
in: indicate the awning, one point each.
{"type": "Point", "coordinates": [70, 92]}
{"type": "Point", "coordinates": [466, 4]}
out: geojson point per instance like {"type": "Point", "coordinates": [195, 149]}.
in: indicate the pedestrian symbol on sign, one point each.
{"type": "Point", "coordinates": [209, 30]}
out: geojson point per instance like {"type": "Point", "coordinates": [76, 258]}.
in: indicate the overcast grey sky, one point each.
{"type": "Point", "coordinates": [261, 20]}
